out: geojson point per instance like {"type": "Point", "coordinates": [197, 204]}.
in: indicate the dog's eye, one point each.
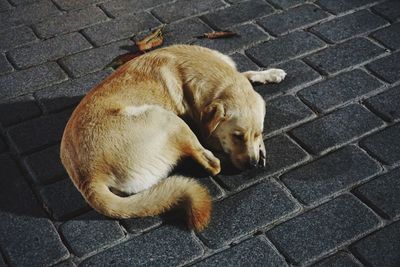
{"type": "Point", "coordinates": [238, 136]}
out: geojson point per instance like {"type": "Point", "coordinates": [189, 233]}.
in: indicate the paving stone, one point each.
{"type": "Point", "coordinates": [389, 36]}
{"type": "Point", "coordinates": [5, 66]}
{"type": "Point", "coordinates": [295, 18]}
{"type": "Point", "coordinates": [348, 26]}
{"type": "Point", "coordinates": [15, 37]}
{"type": "Point", "coordinates": [2, 263]}
{"type": "Point", "coordinates": [27, 237]}
{"type": "Point", "coordinates": [382, 193]}
{"type": "Point", "coordinates": [243, 63]}
{"type": "Point", "coordinates": [28, 14]}
{"type": "Point", "coordinates": [298, 75]}
{"type": "Point", "coordinates": [386, 104]}
{"type": "Point", "coordinates": [185, 8]}
{"type": "Point", "coordinates": [323, 229]}
{"type": "Point", "coordinates": [26, 81]}
{"type": "Point", "coordinates": [385, 145]}
{"type": "Point", "coordinates": [90, 232]}
{"type": "Point", "coordinates": [94, 60]}
{"type": "Point", "coordinates": [282, 154]}
{"type": "Point", "coordinates": [70, 21]}
{"type": "Point", "coordinates": [3, 145]}
{"type": "Point", "coordinates": [4, 5]}
{"type": "Point", "coordinates": [388, 9]}
{"type": "Point", "coordinates": [22, 2]}
{"type": "Point", "coordinates": [254, 252]}
{"type": "Point", "coordinates": [184, 31]}
{"type": "Point", "coordinates": [335, 91]}
{"type": "Point", "coordinates": [39, 132]}
{"type": "Point", "coordinates": [139, 225]}
{"type": "Point", "coordinates": [344, 55]}
{"type": "Point", "coordinates": [50, 49]}
{"type": "Point", "coordinates": [331, 174]}
{"type": "Point", "coordinates": [248, 34]}
{"type": "Point", "coordinates": [69, 93]}
{"type": "Point", "coordinates": [75, 4]}
{"type": "Point", "coordinates": [122, 28]}
{"type": "Point", "coordinates": [284, 112]}
{"type": "Point", "coordinates": [120, 8]}
{"type": "Point", "coordinates": [45, 166]}
{"type": "Point", "coordinates": [340, 6]}
{"type": "Point", "coordinates": [287, 3]}
{"type": "Point", "coordinates": [62, 199]}
{"type": "Point", "coordinates": [246, 212]}
{"type": "Point", "coordinates": [67, 263]}
{"type": "Point", "coordinates": [168, 245]}
{"type": "Point", "coordinates": [387, 68]}
{"type": "Point", "coordinates": [380, 248]}
{"type": "Point", "coordinates": [284, 48]}
{"type": "Point", "coordinates": [337, 128]}
{"type": "Point", "coordinates": [337, 260]}
{"type": "Point", "coordinates": [238, 13]}
{"type": "Point", "coordinates": [18, 109]}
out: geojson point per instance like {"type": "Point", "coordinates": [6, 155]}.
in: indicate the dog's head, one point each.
{"type": "Point", "coordinates": [235, 125]}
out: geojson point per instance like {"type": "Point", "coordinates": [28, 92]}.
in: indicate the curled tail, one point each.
{"type": "Point", "coordinates": [153, 201]}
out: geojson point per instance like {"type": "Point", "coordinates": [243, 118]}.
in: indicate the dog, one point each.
{"type": "Point", "coordinates": [128, 132]}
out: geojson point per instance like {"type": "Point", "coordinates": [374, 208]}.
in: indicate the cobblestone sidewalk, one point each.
{"type": "Point", "coordinates": [330, 195]}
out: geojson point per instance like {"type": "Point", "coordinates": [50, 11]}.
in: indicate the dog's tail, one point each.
{"type": "Point", "coordinates": [161, 197]}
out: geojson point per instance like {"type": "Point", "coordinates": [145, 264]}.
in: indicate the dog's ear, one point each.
{"type": "Point", "coordinates": [212, 115]}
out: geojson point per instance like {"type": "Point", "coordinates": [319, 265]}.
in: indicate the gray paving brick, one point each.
{"type": "Point", "coordinates": [380, 248]}
{"type": "Point", "coordinates": [3, 145]}
{"type": "Point", "coordinates": [335, 91]}
{"type": "Point", "coordinates": [70, 21]}
{"type": "Point", "coordinates": [298, 75]}
{"type": "Point", "coordinates": [389, 36]}
{"type": "Point", "coordinates": [67, 263]}
{"type": "Point", "coordinates": [387, 68]}
{"type": "Point", "coordinates": [254, 252]}
{"type": "Point", "coordinates": [282, 154]}
{"type": "Point", "coordinates": [4, 5]}
{"type": "Point", "coordinates": [386, 104]}
{"type": "Point", "coordinates": [344, 55]}
{"type": "Point", "coordinates": [5, 66]}
{"type": "Point", "coordinates": [243, 63]}
{"type": "Point", "coordinates": [25, 233]}
{"type": "Point", "coordinates": [45, 166]}
{"type": "Point", "coordinates": [90, 232]}
{"type": "Point", "coordinates": [95, 59]}
{"type": "Point", "coordinates": [348, 26]}
{"type": "Point", "coordinates": [295, 18]}
{"type": "Point", "coordinates": [385, 145]}
{"type": "Point", "coordinates": [336, 128]}
{"type": "Point", "coordinates": [62, 199]}
{"type": "Point", "coordinates": [340, 6]}
{"type": "Point", "coordinates": [284, 112]}
{"type": "Point", "coordinates": [238, 13]}
{"type": "Point", "coordinates": [184, 31]}
{"type": "Point", "coordinates": [39, 132]}
{"type": "Point", "coordinates": [75, 4]}
{"type": "Point", "coordinates": [168, 245]}
{"type": "Point", "coordinates": [388, 9]}
{"type": "Point", "coordinates": [139, 225]}
{"type": "Point", "coordinates": [248, 35]}
{"type": "Point", "coordinates": [340, 259]}
{"type": "Point", "coordinates": [319, 231]}
{"type": "Point", "coordinates": [185, 8]}
{"type": "Point", "coordinates": [331, 174]}
{"type": "Point", "coordinates": [26, 81]}
{"type": "Point", "coordinates": [69, 93]}
{"type": "Point", "coordinates": [235, 216]}
{"type": "Point", "coordinates": [15, 37]}
{"type": "Point", "coordinates": [50, 49]}
{"type": "Point", "coordinates": [287, 3]}
{"type": "Point", "coordinates": [122, 28]}
{"type": "Point", "coordinates": [18, 109]}
{"type": "Point", "coordinates": [382, 193]}
{"type": "Point", "coordinates": [124, 7]}
{"type": "Point", "coordinates": [2, 263]}
{"type": "Point", "coordinates": [284, 48]}
{"type": "Point", "coordinates": [28, 14]}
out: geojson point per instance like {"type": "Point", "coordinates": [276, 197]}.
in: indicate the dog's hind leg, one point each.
{"type": "Point", "coordinates": [265, 76]}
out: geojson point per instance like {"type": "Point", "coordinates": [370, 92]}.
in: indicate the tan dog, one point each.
{"type": "Point", "coordinates": [127, 134]}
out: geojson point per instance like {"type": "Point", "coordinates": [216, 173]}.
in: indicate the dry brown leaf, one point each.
{"type": "Point", "coordinates": [153, 40]}
{"type": "Point", "coordinates": [217, 35]}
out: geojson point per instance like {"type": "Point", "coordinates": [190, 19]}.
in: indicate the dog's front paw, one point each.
{"type": "Point", "coordinates": [213, 163]}
{"type": "Point", "coordinates": [274, 75]}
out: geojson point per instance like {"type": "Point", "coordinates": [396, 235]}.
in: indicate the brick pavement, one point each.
{"type": "Point", "coordinates": [330, 193]}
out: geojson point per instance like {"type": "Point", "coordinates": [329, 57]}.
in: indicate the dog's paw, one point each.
{"type": "Point", "coordinates": [213, 163]}
{"type": "Point", "coordinates": [274, 75]}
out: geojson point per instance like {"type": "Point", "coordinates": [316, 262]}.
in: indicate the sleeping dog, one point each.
{"type": "Point", "coordinates": [128, 132]}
